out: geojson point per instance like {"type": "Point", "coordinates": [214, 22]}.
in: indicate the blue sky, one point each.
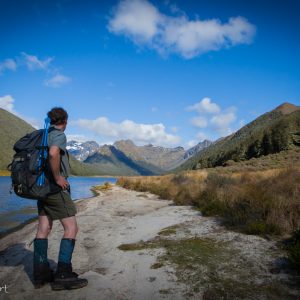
{"type": "Point", "coordinates": [170, 73]}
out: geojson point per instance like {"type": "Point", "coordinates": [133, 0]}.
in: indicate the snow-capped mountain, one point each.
{"type": "Point", "coordinates": [194, 150]}
{"type": "Point", "coordinates": [154, 158]}
{"type": "Point", "coordinates": [81, 151]}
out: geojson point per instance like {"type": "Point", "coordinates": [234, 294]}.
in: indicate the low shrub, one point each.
{"type": "Point", "coordinates": [261, 228]}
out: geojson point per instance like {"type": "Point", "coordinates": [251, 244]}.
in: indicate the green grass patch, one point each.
{"type": "Point", "coordinates": [157, 265]}
{"type": "Point", "coordinates": [261, 228]}
{"type": "Point", "coordinates": [211, 269]}
{"type": "Point", "coordinates": [139, 246]}
{"type": "Point", "coordinates": [164, 292]}
{"type": "Point", "coordinates": [168, 230]}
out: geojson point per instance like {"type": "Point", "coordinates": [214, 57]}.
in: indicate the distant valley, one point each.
{"type": "Point", "coordinates": [273, 132]}
{"type": "Point", "coordinates": [124, 157]}
{"type": "Point", "coordinates": [89, 158]}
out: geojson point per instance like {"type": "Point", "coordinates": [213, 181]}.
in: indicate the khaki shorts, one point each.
{"type": "Point", "coordinates": [57, 206]}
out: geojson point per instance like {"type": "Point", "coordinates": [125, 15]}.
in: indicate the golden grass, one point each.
{"type": "Point", "coordinates": [106, 186]}
{"type": "Point", "coordinates": [4, 173]}
{"type": "Point", "coordinates": [256, 202]}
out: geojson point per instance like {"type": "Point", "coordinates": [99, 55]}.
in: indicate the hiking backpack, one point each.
{"type": "Point", "coordinates": [30, 171]}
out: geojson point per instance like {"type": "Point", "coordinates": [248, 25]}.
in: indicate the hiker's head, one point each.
{"type": "Point", "coordinates": [58, 116]}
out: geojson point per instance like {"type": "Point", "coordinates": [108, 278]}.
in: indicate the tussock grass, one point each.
{"type": "Point", "coordinates": [106, 186]}
{"type": "Point", "coordinates": [264, 202]}
{"type": "Point", "coordinates": [255, 202]}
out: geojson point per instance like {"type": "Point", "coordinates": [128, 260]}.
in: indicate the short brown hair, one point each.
{"type": "Point", "coordinates": [57, 116]}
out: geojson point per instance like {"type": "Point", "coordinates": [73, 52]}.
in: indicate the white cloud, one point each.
{"type": "Point", "coordinates": [144, 24]}
{"type": "Point", "coordinates": [8, 64]}
{"type": "Point", "coordinates": [139, 133]}
{"type": "Point", "coordinates": [137, 19]}
{"type": "Point", "coordinates": [78, 138]}
{"type": "Point", "coordinates": [205, 106]}
{"type": "Point", "coordinates": [57, 81]}
{"type": "Point", "coordinates": [200, 122]}
{"type": "Point", "coordinates": [7, 103]}
{"type": "Point", "coordinates": [221, 123]}
{"type": "Point", "coordinates": [34, 63]}
{"type": "Point", "coordinates": [200, 136]}
{"type": "Point", "coordinates": [192, 143]}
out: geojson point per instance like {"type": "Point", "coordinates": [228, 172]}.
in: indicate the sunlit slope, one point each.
{"type": "Point", "coordinates": [270, 133]}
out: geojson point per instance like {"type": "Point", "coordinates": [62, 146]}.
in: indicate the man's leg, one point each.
{"type": "Point", "coordinates": [70, 227]}
{"type": "Point", "coordinates": [65, 278]}
{"type": "Point", "coordinates": [44, 227]}
{"type": "Point", "coordinates": [41, 270]}
{"type": "Point", "coordinates": [67, 243]}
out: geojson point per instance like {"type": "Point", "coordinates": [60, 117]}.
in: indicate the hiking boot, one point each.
{"type": "Point", "coordinates": [42, 274]}
{"type": "Point", "coordinates": [66, 279]}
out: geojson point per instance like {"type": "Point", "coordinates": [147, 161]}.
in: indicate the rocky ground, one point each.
{"type": "Point", "coordinates": [132, 245]}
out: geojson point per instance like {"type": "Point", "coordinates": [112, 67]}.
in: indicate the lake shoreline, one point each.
{"type": "Point", "coordinates": [16, 212]}
{"type": "Point", "coordinates": [5, 233]}
{"type": "Point", "coordinates": [133, 245]}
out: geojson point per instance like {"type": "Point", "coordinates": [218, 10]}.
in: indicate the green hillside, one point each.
{"type": "Point", "coordinates": [81, 169]}
{"type": "Point", "coordinates": [270, 133]}
{"type": "Point", "coordinates": [11, 129]}
{"type": "Point", "coordinates": [111, 162]}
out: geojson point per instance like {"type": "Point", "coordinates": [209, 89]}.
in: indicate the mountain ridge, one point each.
{"type": "Point", "coordinates": [156, 159]}
{"type": "Point", "coordinates": [272, 132]}
{"type": "Point", "coordinates": [269, 133]}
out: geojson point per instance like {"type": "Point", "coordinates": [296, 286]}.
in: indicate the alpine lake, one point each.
{"type": "Point", "coordinates": [16, 211]}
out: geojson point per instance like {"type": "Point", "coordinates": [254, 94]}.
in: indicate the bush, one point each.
{"type": "Point", "coordinates": [183, 197]}
{"type": "Point", "coordinates": [261, 228]}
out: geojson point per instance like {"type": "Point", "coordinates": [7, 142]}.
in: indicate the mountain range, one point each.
{"type": "Point", "coordinates": [124, 157]}
{"type": "Point", "coordinates": [270, 133]}
{"type": "Point", "coordinates": [88, 158]}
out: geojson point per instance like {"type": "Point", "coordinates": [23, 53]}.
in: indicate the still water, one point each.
{"type": "Point", "coordinates": [15, 210]}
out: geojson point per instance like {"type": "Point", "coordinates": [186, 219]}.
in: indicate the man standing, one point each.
{"type": "Point", "coordinates": [60, 207]}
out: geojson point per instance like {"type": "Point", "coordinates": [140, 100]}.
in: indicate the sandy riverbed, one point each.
{"type": "Point", "coordinates": [248, 264]}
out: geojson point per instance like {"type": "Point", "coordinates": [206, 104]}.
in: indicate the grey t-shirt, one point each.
{"type": "Point", "coordinates": [57, 137]}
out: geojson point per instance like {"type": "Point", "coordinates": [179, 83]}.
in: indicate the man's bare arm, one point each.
{"type": "Point", "coordinates": [54, 160]}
